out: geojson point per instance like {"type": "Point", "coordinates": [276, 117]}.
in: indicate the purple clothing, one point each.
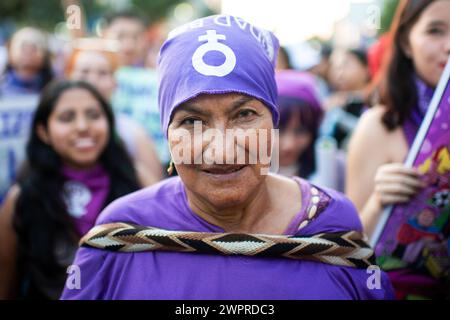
{"type": "Point", "coordinates": [300, 85]}
{"type": "Point", "coordinates": [213, 55]}
{"type": "Point", "coordinates": [406, 281]}
{"type": "Point", "coordinates": [12, 85]}
{"type": "Point", "coordinates": [413, 122]}
{"type": "Point", "coordinates": [85, 193]}
{"type": "Point", "coordinates": [174, 275]}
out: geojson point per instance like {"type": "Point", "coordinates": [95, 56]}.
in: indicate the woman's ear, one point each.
{"type": "Point", "coordinates": [41, 132]}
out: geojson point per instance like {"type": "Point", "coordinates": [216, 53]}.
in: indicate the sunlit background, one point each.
{"type": "Point", "coordinates": [291, 20]}
{"type": "Point", "coordinates": [339, 23]}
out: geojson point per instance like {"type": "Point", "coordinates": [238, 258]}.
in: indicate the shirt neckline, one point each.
{"type": "Point", "coordinates": [292, 226]}
{"type": "Point", "coordinates": [301, 215]}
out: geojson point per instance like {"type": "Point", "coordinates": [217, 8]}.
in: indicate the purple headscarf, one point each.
{"type": "Point", "coordinates": [300, 85]}
{"type": "Point", "coordinates": [214, 55]}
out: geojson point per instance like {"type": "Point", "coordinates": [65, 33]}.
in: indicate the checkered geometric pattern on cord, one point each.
{"type": "Point", "coordinates": [348, 249]}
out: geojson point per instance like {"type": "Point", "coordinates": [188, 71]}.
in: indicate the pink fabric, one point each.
{"type": "Point", "coordinates": [85, 193]}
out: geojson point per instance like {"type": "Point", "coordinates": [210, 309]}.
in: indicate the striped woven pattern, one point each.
{"type": "Point", "coordinates": [343, 249]}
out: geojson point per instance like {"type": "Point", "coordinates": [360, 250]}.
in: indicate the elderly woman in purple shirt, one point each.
{"type": "Point", "coordinates": [224, 228]}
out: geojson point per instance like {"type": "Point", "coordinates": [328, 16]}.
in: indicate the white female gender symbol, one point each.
{"type": "Point", "coordinates": [213, 45]}
{"type": "Point", "coordinates": [76, 197]}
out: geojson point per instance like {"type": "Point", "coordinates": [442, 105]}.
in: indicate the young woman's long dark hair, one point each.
{"type": "Point", "coordinates": [41, 218]}
{"type": "Point", "coordinates": [397, 89]}
{"type": "Point", "coordinates": [310, 118]}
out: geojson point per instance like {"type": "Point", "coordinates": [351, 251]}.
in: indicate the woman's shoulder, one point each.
{"type": "Point", "coordinates": [371, 121]}
{"type": "Point", "coordinates": [323, 209]}
{"type": "Point", "coordinates": [7, 212]}
{"type": "Point", "coordinates": [336, 212]}
{"type": "Point", "coordinates": [371, 135]}
{"type": "Point", "coordinates": [13, 193]}
{"type": "Point", "coordinates": [145, 206]}
{"type": "Point", "coordinates": [7, 208]}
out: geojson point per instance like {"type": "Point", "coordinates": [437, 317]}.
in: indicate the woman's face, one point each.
{"type": "Point", "coordinates": [27, 50]}
{"type": "Point", "coordinates": [95, 68]}
{"type": "Point", "coordinates": [429, 41]}
{"type": "Point", "coordinates": [221, 172]}
{"type": "Point", "coordinates": [77, 129]}
{"type": "Point", "coordinates": [294, 140]}
{"type": "Point", "coordinates": [347, 73]}
{"type": "Point", "coordinates": [131, 36]}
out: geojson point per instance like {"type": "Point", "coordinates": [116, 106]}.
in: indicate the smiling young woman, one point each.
{"type": "Point", "coordinates": [95, 62]}
{"type": "Point", "coordinates": [420, 49]}
{"type": "Point", "coordinates": [377, 176]}
{"type": "Point", "coordinates": [75, 167]}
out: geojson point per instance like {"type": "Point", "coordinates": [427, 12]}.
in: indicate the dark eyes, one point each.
{"type": "Point", "coordinates": [436, 31]}
{"type": "Point", "coordinates": [93, 114]}
{"type": "Point", "coordinates": [69, 116]}
{"type": "Point", "coordinates": [66, 117]}
{"type": "Point", "coordinates": [189, 121]}
{"type": "Point", "coordinates": [246, 113]}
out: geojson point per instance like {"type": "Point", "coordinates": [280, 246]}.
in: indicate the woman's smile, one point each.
{"type": "Point", "coordinates": [223, 172]}
{"type": "Point", "coordinates": [84, 144]}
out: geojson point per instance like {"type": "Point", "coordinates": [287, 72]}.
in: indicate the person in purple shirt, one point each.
{"type": "Point", "coordinates": [75, 167]}
{"type": "Point", "coordinates": [224, 228]}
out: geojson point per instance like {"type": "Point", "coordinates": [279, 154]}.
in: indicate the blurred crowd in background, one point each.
{"type": "Point", "coordinates": [47, 47]}
{"type": "Point", "coordinates": [114, 46]}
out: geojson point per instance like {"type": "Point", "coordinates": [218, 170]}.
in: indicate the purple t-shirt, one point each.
{"type": "Point", "coordinates": [174, 275]}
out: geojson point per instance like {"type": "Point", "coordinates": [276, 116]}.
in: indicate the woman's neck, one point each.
{"type": "Point", "coordinates": [276, 196]}
{"type": "Point", "coordinates": [240, 218]}
{"type": "Point", "coordinates": [80, 168]}
{"type": "Point", "coordinates": [26, 75]}
{"type": "Point", "coordinates": [290, 170]}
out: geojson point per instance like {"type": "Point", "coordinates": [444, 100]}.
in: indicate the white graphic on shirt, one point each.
{"type": "Point", "coordinates": [212, 44]}
{"type": "Point", "coordinates": [76, 197]}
